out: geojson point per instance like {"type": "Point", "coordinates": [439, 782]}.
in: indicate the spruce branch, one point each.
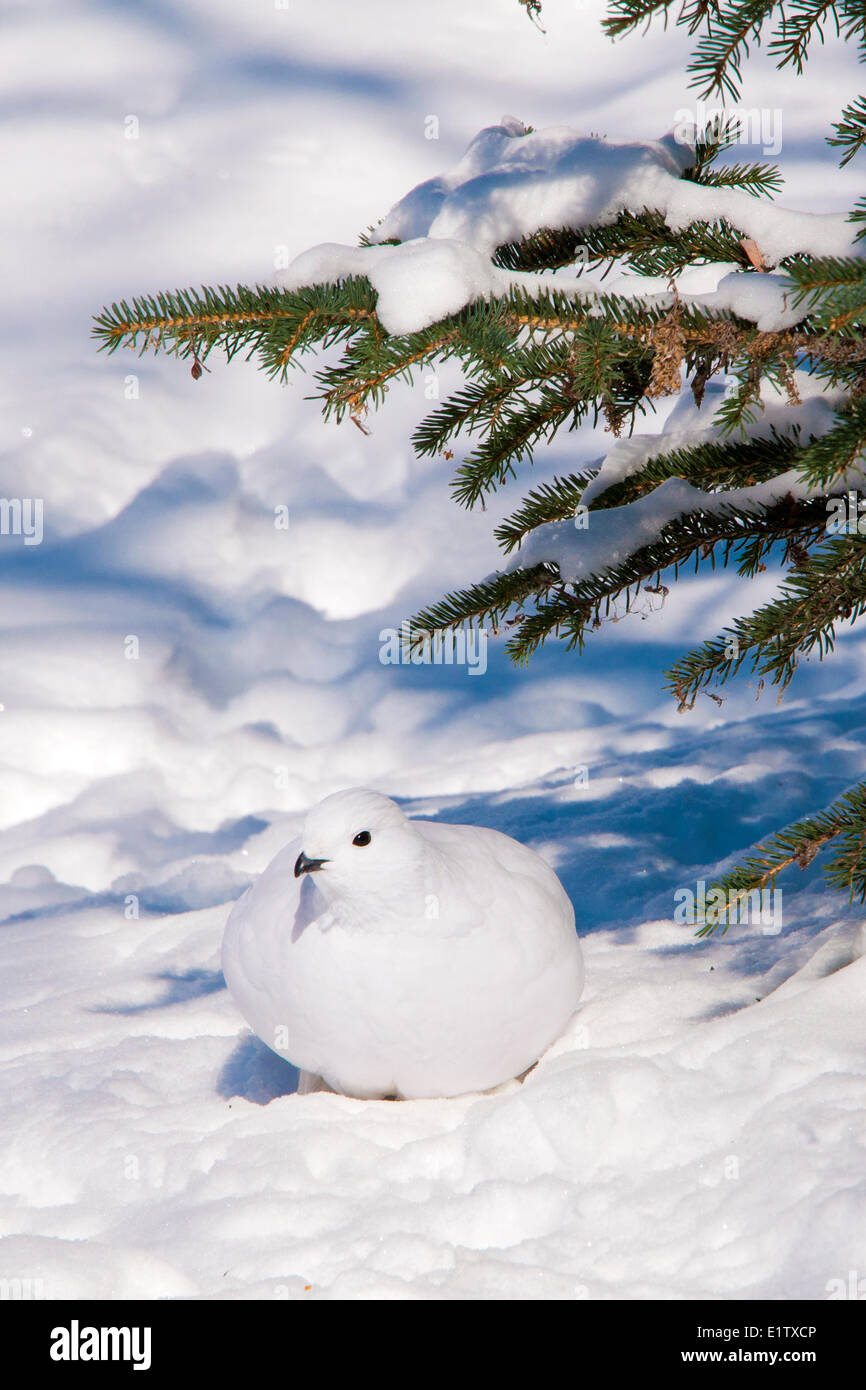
{"type": "Point", "coordinates": [643, 240]}
{"type": "Point", "coordinates": [761, 180]}
{"type": "Point", "coordinates": [842, 449]}
{"type": "Point", "coordinates": [574, 607]}
{"type": "Point", "coordinates": [844, 821]}
{"type": "Point", "coordinates": [803, 21]}
{"type": "Point", "coordinates": [828, 588]}
{"type": "Point", "coordinates": [712, 465]}
{"type": "Point", "coordinates": [834, 290]}
{"type": "Point", "coordinates": [850, 130]}
{"type": "Point", "coordinates": [727, 30]}
{"type": "Point", "coordinates": [553, 501]}
{"type": "Point", "coordinates": [271, 323]}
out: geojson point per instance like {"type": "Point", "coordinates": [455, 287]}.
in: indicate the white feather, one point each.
{"type": "Point", "coordinates": [434, 961]}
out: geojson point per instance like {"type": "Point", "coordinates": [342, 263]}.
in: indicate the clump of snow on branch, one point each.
{"type": "Point", "coordinates": [510, 184]}
{"type": "Point", "coordinates": [611, 535]}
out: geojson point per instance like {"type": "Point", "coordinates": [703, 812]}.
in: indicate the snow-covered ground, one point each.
{"type": "Point", "coordinates": [180, 680]}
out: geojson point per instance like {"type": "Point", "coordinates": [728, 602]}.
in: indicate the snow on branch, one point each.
{"type": "Point", "coordinates": [511, 184]}
{"type": "Point", "coordinates": [602, 539]}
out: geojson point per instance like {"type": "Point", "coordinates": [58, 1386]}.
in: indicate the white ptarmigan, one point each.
{"type": "Point", "coordinates": [397, 957]}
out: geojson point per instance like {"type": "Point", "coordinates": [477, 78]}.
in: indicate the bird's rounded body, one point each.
{"type": "Point", "coordinates": [445, 963]}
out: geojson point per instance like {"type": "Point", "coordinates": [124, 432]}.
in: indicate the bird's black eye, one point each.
{"type": "Point", "coordinates": [363, 837]}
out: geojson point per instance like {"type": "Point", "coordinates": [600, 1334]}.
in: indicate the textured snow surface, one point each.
{"type": "Point", "coordinates": [684, 1140]}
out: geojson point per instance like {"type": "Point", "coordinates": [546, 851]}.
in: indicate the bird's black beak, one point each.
{"type": "Point", "coordinates": [303, 865]}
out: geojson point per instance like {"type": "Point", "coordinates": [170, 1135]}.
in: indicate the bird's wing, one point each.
{"type": "Point", "coordinates": [483, 875]}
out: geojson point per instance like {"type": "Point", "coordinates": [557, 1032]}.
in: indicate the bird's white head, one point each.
{"type": "Point", "coordinates": [360, 846]}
